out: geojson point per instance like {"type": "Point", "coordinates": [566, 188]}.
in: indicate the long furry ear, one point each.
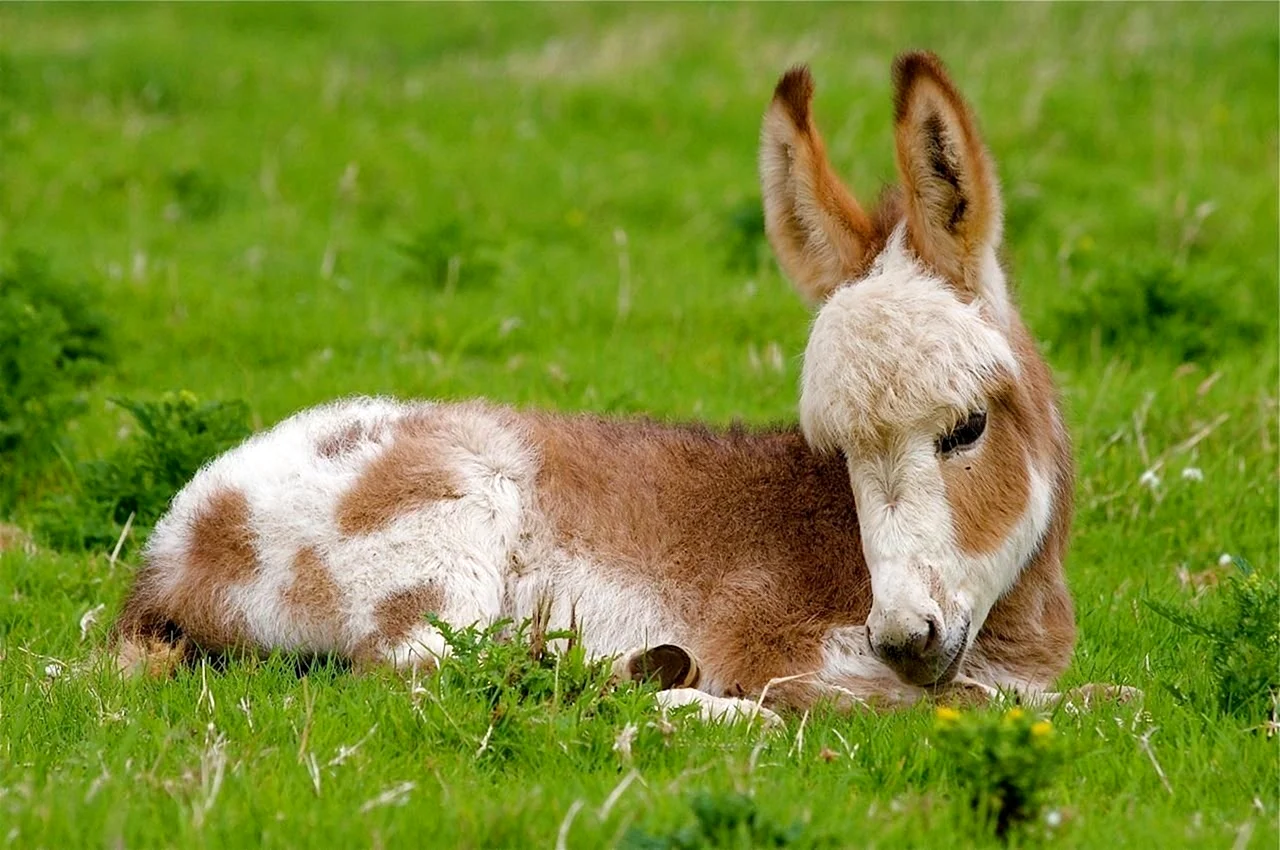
{"type": "Point", "coordinates": [819, 233]}
{"type": "Point", "coordinates": [951, 194]}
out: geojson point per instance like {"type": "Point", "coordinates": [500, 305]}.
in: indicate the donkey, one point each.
{"type": "Point", "coordinates": [906, 538]}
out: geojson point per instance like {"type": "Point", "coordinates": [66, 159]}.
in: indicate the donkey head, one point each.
{"type": "Point", "coordinates": [917, 368]}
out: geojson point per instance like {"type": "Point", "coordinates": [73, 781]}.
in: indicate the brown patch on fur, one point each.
{"type": "Point", "coordinates": [952, 201]}
{"type": "Point", "coordinates": [222, 548]}
{"type": "Point", "coordinates": [146, 642]}
{"type": "Point", "coordinates": [395, 617]}
{"type": "Point", "coordinates": [409, 473]}
{"type": "Point", "coordinates": [805, 694]}
{"type": "Point", "coordinates": [221, 552]}
{"type": "Point", "coordinates": [819, 233]}
{"type": "Point", "coordinates": [795, 92]}
{"type": "Point", "coordinates": [988, 489]}
{"type": "Point", "coordinates": [749, 537]}
{"type": "Point", "coordinates": [160, 628]}
{"type": "Point", "coordinates": [342, 441]}
{"type": "Point", "coordinates": [1036, 399]}
{"type": "Point", "coordinates": [313, 596]}
{"type": "Point", "coordinates": [397, 614]}
{"type": "Point", "coordinates": [1031, 631]}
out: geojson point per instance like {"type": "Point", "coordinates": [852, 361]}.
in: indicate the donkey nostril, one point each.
{"type": "Point", "coordinates": [932, 637]}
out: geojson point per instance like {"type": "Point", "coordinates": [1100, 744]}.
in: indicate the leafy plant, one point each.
{"type": "Point", "coordinates": [746, 248]}
{"type": "Point", "coordinates": [53, 342]}
{"type": "Point", "coordinates": [513, 676]}
{"type": "Point", "coordinates": [197, 194]}
{"type": "Point", "coordinates": [448, 256]}
{"type": "Point", "coordinates": [1004, 760]}
{"type": "Point", "coordinates": [1241, 627]}
{"type": "Point", "coordinates": [500, 663]}
{"type": "Point", "coordinates": [720, 820]}
{"type": "Point", "coordinates": [175, 436]}
{"type": "Point", "coordinates": [1155, 305]}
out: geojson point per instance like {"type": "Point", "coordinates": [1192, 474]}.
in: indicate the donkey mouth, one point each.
{"type": "Point", "coordinates": [953, 669]}
{"type": "Point", "coordinates": [932, 671]}
{"type": "Point", "coordinates": [925, 673]}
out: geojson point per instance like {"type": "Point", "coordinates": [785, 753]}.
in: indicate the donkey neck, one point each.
{"type": "Point", "coordinates": [703, 509]}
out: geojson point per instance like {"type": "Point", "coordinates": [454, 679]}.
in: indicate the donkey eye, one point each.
{"type": "Point", "coordinates": [963, 435]}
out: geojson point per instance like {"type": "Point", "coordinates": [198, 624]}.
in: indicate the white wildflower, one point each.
{"type": "Point", "coordinates": [622, 744]}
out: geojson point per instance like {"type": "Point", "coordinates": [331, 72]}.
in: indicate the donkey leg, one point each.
{"type": "Point", "coordinates": [669, 665]}
{"type": "Point", "coordinates": [717, 709]}
{"type": "Point", "coordinates": [1082, 698]}
{"type": "Point", "coordinates": [676, 673]}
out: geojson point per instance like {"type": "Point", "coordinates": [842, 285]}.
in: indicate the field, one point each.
{"type": "Point", "coordinates": [557, 206]}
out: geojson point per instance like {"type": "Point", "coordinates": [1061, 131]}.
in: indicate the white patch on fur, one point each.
{"type": "Point", "coordinates": [993, 289]}
{"type": "Point", "coordinates": [985, 578]}
{"type": "Point", "coordinates": [905, 523]}
{"type": "Point", "coordinates": [291, 495]}
{"type": "Point", "coordinates": [424, 646]}
{"type": "Point", "coordinates": [918, 570]}
{"type": "Point", "coordinates": [487, 551]}
{"type": "Point", "coordinates": [893, 351]}
{"type": "Point", "coordinates": [463, 546]}
{"type": "Point", "coordinates": [611, 615]}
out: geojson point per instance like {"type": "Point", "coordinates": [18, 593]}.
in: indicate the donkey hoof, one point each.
{"type": "Point", "coordinates": [669, 665]}
{"type": "Point", "coordinates": [966, 694]}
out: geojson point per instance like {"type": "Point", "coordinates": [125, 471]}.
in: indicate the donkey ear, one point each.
{"type": "Point", "coordinates": [818, 232]}
{"type": "Point", "coordinates": [952, 198]}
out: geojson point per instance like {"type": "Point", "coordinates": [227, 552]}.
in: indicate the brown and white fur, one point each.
{"type": "Point", "coordinates": [857, 557]}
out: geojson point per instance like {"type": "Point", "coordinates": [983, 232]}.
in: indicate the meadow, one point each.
{"type": "Point", "coordinates": [211, 216]}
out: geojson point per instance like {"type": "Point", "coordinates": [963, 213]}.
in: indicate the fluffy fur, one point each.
{"type": "Point", "coordinates": [847, 559]}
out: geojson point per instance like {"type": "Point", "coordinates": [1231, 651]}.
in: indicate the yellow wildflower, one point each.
{"type": "Point", "coordinates": [1013, 715]}
{"type": "Point", "coordinates": [1041, 729]}
{"type": "Point", "coordinates": [946, 716]}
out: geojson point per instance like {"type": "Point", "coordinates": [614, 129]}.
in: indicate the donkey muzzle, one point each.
{"type": "Point", "coordinates": [920, 649]}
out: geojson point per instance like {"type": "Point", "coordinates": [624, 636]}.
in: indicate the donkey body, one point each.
{"type": "Point", "coordinates": [907, 536]}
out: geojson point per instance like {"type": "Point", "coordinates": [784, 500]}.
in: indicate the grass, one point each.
{"type": "Point", "coordinates": [554, 206]}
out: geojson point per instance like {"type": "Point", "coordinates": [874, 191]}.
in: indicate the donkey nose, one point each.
{"type": "Point", "coordinates": [907, 638]}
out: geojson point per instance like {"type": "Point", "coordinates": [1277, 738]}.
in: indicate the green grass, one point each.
{"type": "Point", "coordinates": [269, 198]}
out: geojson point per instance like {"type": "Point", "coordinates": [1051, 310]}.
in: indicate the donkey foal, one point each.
{"type": "Point", "coordinates": [907, 537]}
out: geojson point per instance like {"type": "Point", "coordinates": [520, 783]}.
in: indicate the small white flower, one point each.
{"type": "Point", "coordinates": [622, 744]}
{"type": "Point", "coordinates": [1192, 473]}
{"type": "Point", "coordinates": [1053, 818]}
{"type": "Point", "coordinates": [1225, 560]}
{"type": "Point", "coordinates": [53, 670]}
{"type": "Point", "coordinates": [1149, 479]}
